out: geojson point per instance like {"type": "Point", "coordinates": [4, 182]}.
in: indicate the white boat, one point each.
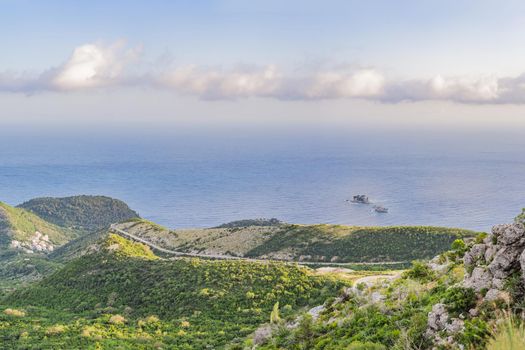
{"type": "Point", "coordinates": [380, 209]}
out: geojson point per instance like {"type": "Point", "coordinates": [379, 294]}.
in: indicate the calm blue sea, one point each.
{"type": "Point", "coordinates": [192, 179]}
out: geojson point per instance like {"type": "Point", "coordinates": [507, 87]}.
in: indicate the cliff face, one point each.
{"type": "Point", "coordinates": [501, 256]}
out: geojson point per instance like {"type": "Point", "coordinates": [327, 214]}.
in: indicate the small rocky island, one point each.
{"type": "Point", "coordinates": [360, 198]}
{"type": "Point", "coordinates": [363, 199]}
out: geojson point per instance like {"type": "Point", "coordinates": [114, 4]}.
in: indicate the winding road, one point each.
{"type": "Point", "coordinates": [125, 234]}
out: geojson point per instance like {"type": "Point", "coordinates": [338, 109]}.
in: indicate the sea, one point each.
{"type": "Point", "coordinates": [203, 178]}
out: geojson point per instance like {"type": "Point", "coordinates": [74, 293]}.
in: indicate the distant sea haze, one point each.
{"type": "Point", "coordinates": [183, 182]}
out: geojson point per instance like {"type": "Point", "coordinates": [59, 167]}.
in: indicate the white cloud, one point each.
{"type": "Point", "coordinates": [221, 84]}
{"type": "Point", "coordinates": [92, 66]}
{"type": "Point", "coordinates": [335, 84]}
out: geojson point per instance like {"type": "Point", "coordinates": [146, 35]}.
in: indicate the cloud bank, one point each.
{"type": "Point", "coordinates": [95, 66]}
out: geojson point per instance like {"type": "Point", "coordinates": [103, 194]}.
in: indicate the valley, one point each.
{"type": "Point", "coordinates": [133, 284]}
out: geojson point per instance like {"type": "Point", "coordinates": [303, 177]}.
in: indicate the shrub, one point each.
{"type": "Point", "coordinates": [305, 331]}
{"type": "Point", "coordinates": [521, 217]}
{"type": "Point", "coordinates": [56, 329]}
{"type": "Point", "coordinates": [459, 299]}
{"type": "Point", "coordinates": [89, 331]}
{"type": "Point", "coordinates": [475, 334]}
{"type": "Point", "coordinates": [480, 237]}
{"type": "Point", "coordinates": [365, 346]}
{"type": "Point", "coordinates": [151, 319]}
{"type": "Point", "coordinates": [117, 319]}
{"type": "Point", "coordinates": [459, 246]}
{"type": "Point", "coordinates": [274, 316]}
{"type": "Point", "coordinates": [420, 271]}
{"type": "Point", "coordinates": [14, 312]}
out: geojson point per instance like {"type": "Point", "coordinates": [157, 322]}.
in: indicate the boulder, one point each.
{"type": "Point", "coordinates": [437, 265]}
{"type": "Point", "coordinates": [438, 317]}
{"type": "Point", "coordinates": [498, 283]}
{"type": "Point", "coordinates": [490, 251]}
{"type": "Point", "coordinates": [455, 326]}
{"type": "Point", "coordinates": [496, 294]}
{"type": "Point", "coordinates": [510, 234]}
{"type": "Point", "coordinates": [474, 254]}
{"type": "Point", "coordinates": [316, 311]}
{"type": "Point", "coordinates": [505, 260]}
{"type": "Point", "coordinates": [481, 278]}
{"type": "Point", "coordinates": [262, 334]}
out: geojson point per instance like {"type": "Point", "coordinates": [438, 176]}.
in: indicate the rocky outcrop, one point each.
{"type": "Point", "coordinates": [491, 263]}
{"type": "Point", "coordinates": [442, 328]}
{"type": "Point", "coordinates": [488, 266]}
{"type": "Point", "coordinates": [37, 243]}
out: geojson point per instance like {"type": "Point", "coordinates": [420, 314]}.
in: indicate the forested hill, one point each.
{"type": "Point", "coordinates": [121, 295]}
{"type": "Point", "coordinates": [88, 213]}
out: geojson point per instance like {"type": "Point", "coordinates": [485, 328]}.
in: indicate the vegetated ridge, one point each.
{"type": "Point", "coordinates": [321, 243]}
{"type": "Point", "coordinates": [30, 239]}
{"type": "Point", "coordinates": [88, 213]}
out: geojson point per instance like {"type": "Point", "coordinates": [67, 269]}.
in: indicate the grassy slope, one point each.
{"type": "Point", "coordinates": [200, 303]}
{"type": "Point", "coordinates": [312, 242]}
{"type": "Point", "coordinates": [89, 213]}
{"type": "Point", "coordinates": [20, 224]}
{"type": "Point", "coordinates": [361, 244]}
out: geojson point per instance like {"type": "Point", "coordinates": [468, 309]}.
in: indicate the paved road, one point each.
{"type": "Point", "coordinates": [126, 234]}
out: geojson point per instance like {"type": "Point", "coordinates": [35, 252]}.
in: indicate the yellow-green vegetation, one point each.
{"type": "Point", "coordinates": [118, 296]}
{"type": "Point", "coordinates": [14, 312]}
{"type": "Point", "coordinates": [20, 224]}
{"type": "Point", "coordinates": [510, 335]}
{"type": "Point", "coordinates": [521, 217]}
{"type": "Point", "coordinates": [124, 248]}
{"type": "Point", "coordinates": [322, 243]}
{"type": "Point", "coordinates": [87, 213]}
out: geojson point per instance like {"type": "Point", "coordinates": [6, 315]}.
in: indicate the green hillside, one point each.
{"type": "Point", "coordinates": [18, 269]}
{"type": "Point", "coordinates": [184, 304]}
{"type": "Point", "coordinates": [21, 225]}
{"type": "Point", "coordinates": [323, 243]}
{"type": "Point", "coordinates": [88, 213]}
{"type": "Point", "coordinates": [360, 244]}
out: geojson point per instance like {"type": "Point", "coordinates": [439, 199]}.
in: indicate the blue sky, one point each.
{"type": "Point", "coordinates": [196, 60]}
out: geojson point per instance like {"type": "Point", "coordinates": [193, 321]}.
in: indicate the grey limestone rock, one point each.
{"type": "Point", "coordinates": [505, 260]}
{"type": "Point", "coordinates": [510, 234]}
{"type": "Point", "coordinates": [438, 317]}
{"type": "Point", "coordinates": [480, 278]}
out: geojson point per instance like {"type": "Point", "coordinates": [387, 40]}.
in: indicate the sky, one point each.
{"type": "Point", "coordinates": [220, 64]}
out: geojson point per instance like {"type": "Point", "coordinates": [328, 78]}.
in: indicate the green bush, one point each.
{"type": "Point", "coordinates": [420, 271]}
{"type": "Point", "coordinates": [521, 217]}
{"type": "Point", "coordinates": [459, 299]}
{"type": "Point", "coordinates": [459, 246]}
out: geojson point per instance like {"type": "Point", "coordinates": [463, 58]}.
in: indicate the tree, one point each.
{"type": "Point", "coordinates": [520, 219]}
{"type": "Point", "coordinates": [274, 316]}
